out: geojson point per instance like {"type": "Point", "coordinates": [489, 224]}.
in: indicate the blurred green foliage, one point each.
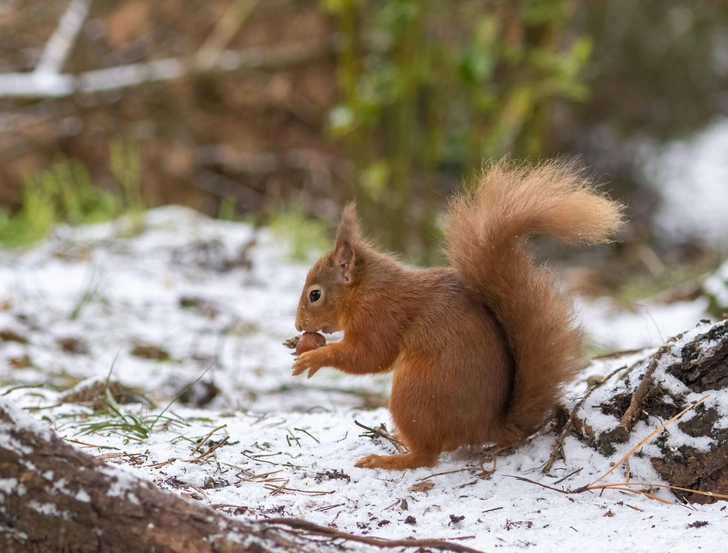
{"type": "Point", "coordinates": [65, 193]}
{"type": "Point", "coordinates": [428, 85]}
{"type": "Point", "coordinates": [307, 238]}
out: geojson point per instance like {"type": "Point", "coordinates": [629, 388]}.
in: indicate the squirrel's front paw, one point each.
{"type": "Point", "coordinates": [303, 362]}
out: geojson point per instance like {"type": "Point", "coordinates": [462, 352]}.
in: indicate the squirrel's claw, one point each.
{"type": "Point", "coordinates": [298, 370]}
{"type": "Point", "coordinates": [292, 342]}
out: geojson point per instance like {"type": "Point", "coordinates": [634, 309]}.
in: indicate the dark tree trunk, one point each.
{"type": "Point", "coordinates": [54, 498]}
{"type": "Point", "coordinates": [641, 392]}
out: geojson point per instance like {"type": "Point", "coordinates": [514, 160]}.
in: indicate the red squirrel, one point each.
{"type": "Point", "coordinates": [480, 349]}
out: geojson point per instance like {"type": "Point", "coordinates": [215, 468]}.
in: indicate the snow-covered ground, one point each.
{"type": "Point", "coordinates": [647, 324]}
{"type": "Point", "coordinates": [218, 300]}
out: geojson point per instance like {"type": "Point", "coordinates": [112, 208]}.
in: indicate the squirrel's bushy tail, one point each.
{"type": "Point", "coordinates": [486, 244]}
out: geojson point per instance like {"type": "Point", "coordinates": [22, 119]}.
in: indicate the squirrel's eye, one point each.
{"type": "Point", "coordinates": [315, 295]}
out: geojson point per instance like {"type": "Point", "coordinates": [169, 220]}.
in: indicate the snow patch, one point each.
{"type": "Point", "coordinates": [8, 485]}
{"type": "Point", "coordinates": [49, 509]}
{"type": "Point", "coordinates": [693, 172]}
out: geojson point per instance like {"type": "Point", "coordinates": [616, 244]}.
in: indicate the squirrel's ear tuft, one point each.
{"type": "Point", "coordinates": [349, 229]}
{"type": "Point", "coordinates": [348, 236]}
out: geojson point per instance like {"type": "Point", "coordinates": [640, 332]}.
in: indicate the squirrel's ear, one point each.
{"type": "Point", "coordinates": [345, 259]}
{"type": "Point", "coordinates": [347, 238]}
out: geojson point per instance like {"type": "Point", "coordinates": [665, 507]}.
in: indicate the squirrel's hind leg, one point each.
{"type": "Point", "coordinates": [401, 461]}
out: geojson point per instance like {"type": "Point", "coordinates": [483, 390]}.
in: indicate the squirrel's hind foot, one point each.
{"type": "Point", "coordinates": [398, 462]}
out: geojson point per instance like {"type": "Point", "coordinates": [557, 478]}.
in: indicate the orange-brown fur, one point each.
{"type": "Point", "coordinates": [479, 349]}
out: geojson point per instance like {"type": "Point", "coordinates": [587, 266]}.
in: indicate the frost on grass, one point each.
{"type": "Point", "coordinates": [251, 441]}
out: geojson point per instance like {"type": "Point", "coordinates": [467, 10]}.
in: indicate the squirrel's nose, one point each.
{"type": "Point", "coordinates": [299, 327]}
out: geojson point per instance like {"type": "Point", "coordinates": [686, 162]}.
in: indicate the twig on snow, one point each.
{"type": "Point", "coordinates": [311, 528]}
{"type": "Point", "coordinates": [382, 432]}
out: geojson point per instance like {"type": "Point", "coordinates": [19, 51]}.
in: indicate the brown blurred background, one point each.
{"type": "Point", "coordinates": [247, 108]}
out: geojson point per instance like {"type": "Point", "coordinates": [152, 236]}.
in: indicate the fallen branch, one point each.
{"type": "Point", "coordinates": [59, 46]}
{"type": "Point", "coordinates": [37, 85]}
{"type": "Point", "coordinates": [630, 415]}
{"type": "Point", "coordinates": [312, 528]}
